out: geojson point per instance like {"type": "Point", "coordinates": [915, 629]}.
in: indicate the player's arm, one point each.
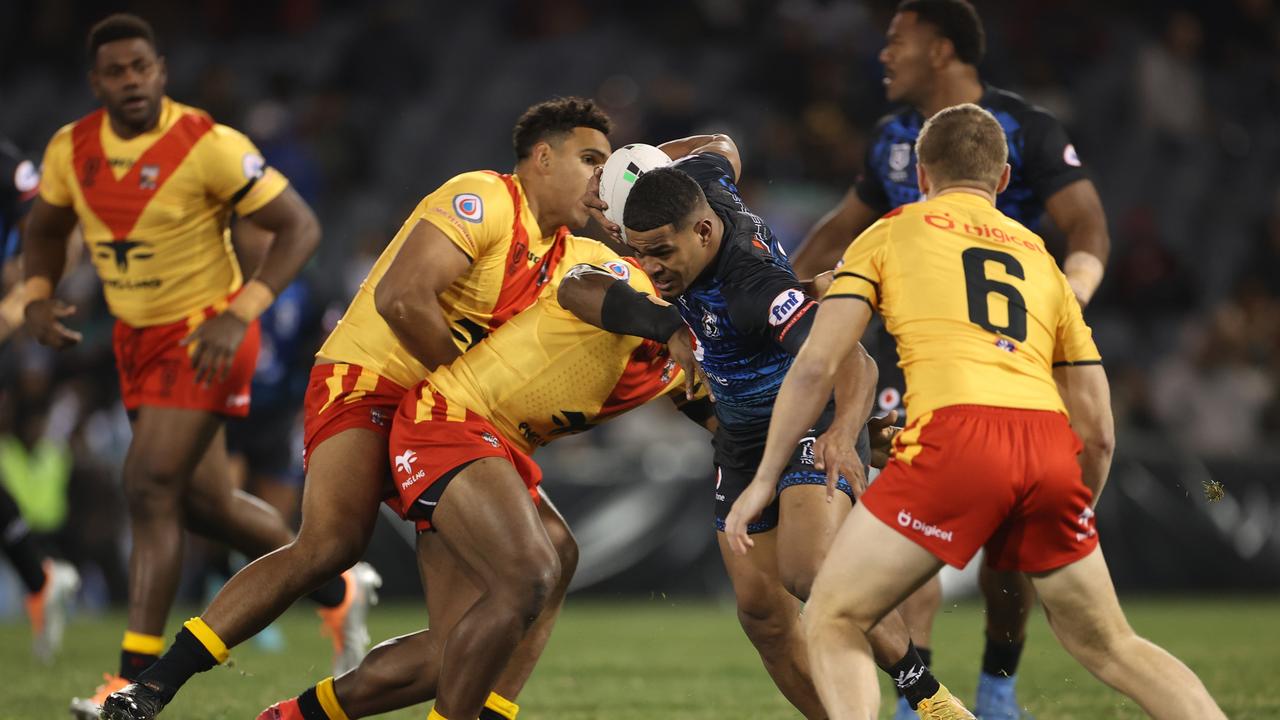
{"type": "Point", "coordinates": [1087, 395]}
{"type": "Point", "coordinates": [827, 241]}
{"type": "Point", "coordinates": [720, 144]}
{"type": "Point", "coordinates": [600, 299]}
{"type": "Point", "coordinates": [408, 295]}
{"type": "Point", "coordinates": [836, 332]}
{"type": "Point", "coordinates": [44, 253]}
{"type": "Point", "coordinates": [1077, 210]}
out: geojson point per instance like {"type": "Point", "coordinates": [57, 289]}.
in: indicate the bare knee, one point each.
{"type": "Point", "coordinates": [324, 554]}
{"type": "Point", "coordinates": [797, 578]}
{"type": "Point", "coordinates": [152, 488]}
{"type": "Point", "coordinates": [566, 547]}
{"type": "Point", "coordinates": [766, 623]}
{"type": "Point", "coordinates": [826, 617]}
{"type": "Point", "coordinates": [523, 591]}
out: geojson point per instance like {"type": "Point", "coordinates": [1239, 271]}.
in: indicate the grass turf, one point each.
{"type": "Point", "coordinates": [680, 659]}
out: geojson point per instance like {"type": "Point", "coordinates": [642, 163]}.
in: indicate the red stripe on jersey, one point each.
{"type": "Point", "coordinates": [119, 203]}
{"type": "Point", "coordinates": [521, 284]}
{"type": "Point", "coordinates": [649, 370]}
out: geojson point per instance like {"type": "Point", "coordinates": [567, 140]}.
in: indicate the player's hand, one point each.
{"type": "Point", "coordinates": [596, 206]}
{"type": "Point", "coordinates": [882, 431]}
{"type": "Point", "coordinates": [680, 346]}
{"type": "Point", "coordinates": [44, 318]}
{"type": "Point", "coordinates": [746, 508]}
{"type": "Point", "coordinates": [216, 342]}
{"type": "Point", "coordinates": [835, 452]}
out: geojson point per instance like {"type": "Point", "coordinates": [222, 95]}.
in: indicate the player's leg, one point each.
{"type": "Point", "coordinates": [919, 611]}
{"type": "Point", "coordinates": [1009, 599]}
{"type": "Point", "coordinates": [340, 502]}
{"type": "Point", "coordinates": [50, 584]}
{"type": "Point", "coordinates": [854, 590]}
{"type": "Point", "coordinates": [1085, 614]}
{"type": "Point", "coordinates": [486, 521]}
{"type": "Point", "coordinates": [770, 616]}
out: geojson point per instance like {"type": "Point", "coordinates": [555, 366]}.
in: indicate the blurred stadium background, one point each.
{"type": "Point", "coordinates": [1173, 106]}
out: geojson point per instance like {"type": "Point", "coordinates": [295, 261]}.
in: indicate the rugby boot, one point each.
{"type": "Point", "coordinates": [345, 624]}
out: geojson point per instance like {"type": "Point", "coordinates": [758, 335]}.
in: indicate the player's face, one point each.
{"type": "Point", "coordinates": [907, 57]}
{"type": "Point", "coordinates": [128, 79]}
{"type": "Point", "coordinates": [571, 163]}
{"type": "Point", "coordinates": [672, 258]}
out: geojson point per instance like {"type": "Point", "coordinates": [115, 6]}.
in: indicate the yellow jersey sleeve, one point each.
{"type": "Point", "coordinates": [235, 172]}
{"type": "Point", "coordinates": [55, 172]}
{"type": "Point", "coordinates": [1073, 340]}
{"type": "Point", "coordinates": [474, 210]}
{"type": "Point", "coordinates": [861, 269]}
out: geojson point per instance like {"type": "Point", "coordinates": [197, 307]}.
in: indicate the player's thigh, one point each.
{"type": "Point", "coordinates": [168, 444]}
{"type": "Point", "coordinates": [869, 570]}
{"type": "Point", "coordinates": [757, 584]}
{"type": "Point", "coordinates": [486, 518]}
{"type": "Point", "coordinates": [807, 526]}
{"type": "Point", "coordinates": [343, 488]}
{"type": "Point", "coordinates": [562, 538]}
{"type": "Point", "coordinates": [1081, 604]}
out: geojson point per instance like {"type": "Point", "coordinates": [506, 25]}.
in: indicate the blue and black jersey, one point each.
{"type": "Point", "coordinates": [19, 183]}
{"type": "Point", "coordinates": [1041, 156]}
{"type": "Point", "coordinates": [748, 311]}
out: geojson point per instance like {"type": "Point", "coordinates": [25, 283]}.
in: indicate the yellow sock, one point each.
{"type": "Point", "coordinates": [141, 643]}
{"type": "Point", "coordinates": [433, 715]}
{"type": "Point", "coordinates": [329, 700]}
{"type": "Point", "coordinates": [500, 706]}
{"type": "Point", "coordinates": [208, 638]}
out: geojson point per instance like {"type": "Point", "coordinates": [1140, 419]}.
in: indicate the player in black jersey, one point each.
{"type": "Point", "coordinates": [50, 583]}
{"type": "Point", "coordinates": [931, 57]}
{"type": "Point", "coordinates": [742, 315]}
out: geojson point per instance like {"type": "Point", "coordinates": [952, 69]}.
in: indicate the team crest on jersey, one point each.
{"type": "Point", "coordinates": [618, 269]}
{"type": "Point", "coordinates": [889, 399]}
{"type": "Point", "coordinates": [697, 349]}
{"type": "Point", "coordinates": [26, 178]}
{"type": "Point", "coordinates": [253, 166]}
{"type": "Point", "coordinates": [784, 306]}
{"type": "Point", "coordinates": [469, 207]}
{"type": "Point", "coordinates": [709, 326]}
{"type": "Point", "coordinates": [899, 159]}
{"type": "Point", "coordinates": [148, 177]}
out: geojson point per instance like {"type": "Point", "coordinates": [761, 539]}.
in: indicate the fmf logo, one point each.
{"type": "Point", "coordinates": [784, 306]}
{"type": "Point", "coordinates": [906, 521]}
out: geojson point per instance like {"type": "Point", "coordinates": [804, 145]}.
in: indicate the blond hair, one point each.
{"type": "Point", "coordinates": [963, 144]}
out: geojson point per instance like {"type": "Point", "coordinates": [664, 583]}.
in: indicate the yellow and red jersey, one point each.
{"type": "Point", "coordinates": [154, 209]}
{"type": "Point", "coordinates": [979, 309]}
{"type": "Point", "coordinates": [487, 216]}
{"type": "Point", "coordinates": [546, 374]}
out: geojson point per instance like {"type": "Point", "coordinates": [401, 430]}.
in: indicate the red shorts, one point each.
{"type": "Point", "coordinates": [341, 396]}
{"type": "Point", "coordinates": [967, 476]}
{"type": "Point", "coordinates": [423, 451]}
{"type": "Point", "coordinates": [155, 370]}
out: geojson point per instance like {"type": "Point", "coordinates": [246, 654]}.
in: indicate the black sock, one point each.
{"type": "Point", "coordinates": [331, 594]}
{"type": "Point", "coordinates": [926, 656]}
{"type": "Point", "coordinates": [186, 657]}
{"type": "Point", "coordinates": [15, 538]}
{"type": "Point", "coordinates": [309, 704]}
{"type": "Point", "coordinates": [1001, 658]}
{"type": "Point", "coordinates": [489, 713]}
{"type": "Point", "coordinates": [912, 678]}
{"type": "Point", "coordinates": [133, 664]}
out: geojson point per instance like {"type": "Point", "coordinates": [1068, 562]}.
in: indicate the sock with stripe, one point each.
{"type": "Point", "coordinates": [331, 594]}
{"type": "Point", "coordinates": [499, 708]}
{"type": "Point", "coordinates": [195, 649]}
{"type": "Point", "coordinates": [435, 715]}
{"type": "Point", "coordinates": [321, 702]}
{"type": "Point", "coordinates": [138, 652]}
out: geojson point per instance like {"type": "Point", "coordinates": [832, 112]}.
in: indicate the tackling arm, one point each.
{"type": "Point", "coordinates": [1077, 210]}
{"type": "Point", "coordinates": [721, 145]}
{"type": "Point", "coordinates": [407, 296]}
{"type": "Point", "coordinates": [1087, 395]}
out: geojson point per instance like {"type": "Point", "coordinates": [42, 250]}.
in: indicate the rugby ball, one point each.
{"type": "Point", "coordinates": [621, 170]}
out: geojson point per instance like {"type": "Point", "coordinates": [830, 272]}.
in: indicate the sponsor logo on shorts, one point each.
{"type": "Point", "coordinates": [719, 478]}
{"type": "Point", "coordinates": [241, 400]}
{"type": "Point", "coordinates": [378, 417]}
{"type": "Point", "coordinates": [490, 438]}
{"type": "Point", "coordinates": [924, 528]}
{"type": "Point", "coordinates": [618, 269]}
{"type": "Point", "coordinates": [784, 306]}
{"type": "Point", "coordinates": [1085, 521]}
{"type": "Point", "coordinates": [806, 450]}
{"type": "Point", "coordinates": [404, 461]}
{"type": "Point", "coordinates": [469, 207]}
{"type": "Point", "coordinates": [413, 479]}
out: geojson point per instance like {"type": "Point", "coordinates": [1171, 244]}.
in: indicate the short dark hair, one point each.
{"type": "Point", "coordinates": [955, 20]}
{"type": "Point", "coordinates": [121, 26]}
{"type": "Point", "coordinates": [554, 117]}
{"type": "Point", "coordinates": [663, 196]}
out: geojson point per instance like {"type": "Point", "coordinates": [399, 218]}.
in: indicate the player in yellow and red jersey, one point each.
{"type": "Point", "coordinates": [152, 184]}
{"type": "Point", "coordinates": [471, 255]}
{"type": "Point", "coordinates": [475, 423]}
{"type": "Point", "coordinates": [996, 354]}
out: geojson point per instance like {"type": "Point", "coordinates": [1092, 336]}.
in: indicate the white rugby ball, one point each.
{"type": "Point", "coordinates": [621, 170]}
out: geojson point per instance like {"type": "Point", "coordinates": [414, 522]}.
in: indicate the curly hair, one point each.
{"type": "Point", "coordinates": [554, 118]}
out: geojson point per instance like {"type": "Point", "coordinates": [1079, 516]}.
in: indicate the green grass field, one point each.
{"type": "Point", "coordinates": [672, 659]}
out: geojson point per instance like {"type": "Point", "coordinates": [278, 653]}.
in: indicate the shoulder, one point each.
{"type": "Point", "coordinates": [897, 121]}
{"type": "Point", "coordinates": [1014, 106]}
{"type": "Point", "coordinates": [475, 195]}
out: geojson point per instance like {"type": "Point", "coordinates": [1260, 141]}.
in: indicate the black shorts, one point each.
{"type": "Point", "coordinates": [270, 439]}
{"type": "Point", "coordinates": [738, 455]}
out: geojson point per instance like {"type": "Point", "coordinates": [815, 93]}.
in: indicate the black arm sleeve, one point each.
{"type": "Point", "coordinates": [1050, 162]}
{"type": "Point", "coordinates": [627, 312]}
{"type": "Point", "coordinates": [768, 300]}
